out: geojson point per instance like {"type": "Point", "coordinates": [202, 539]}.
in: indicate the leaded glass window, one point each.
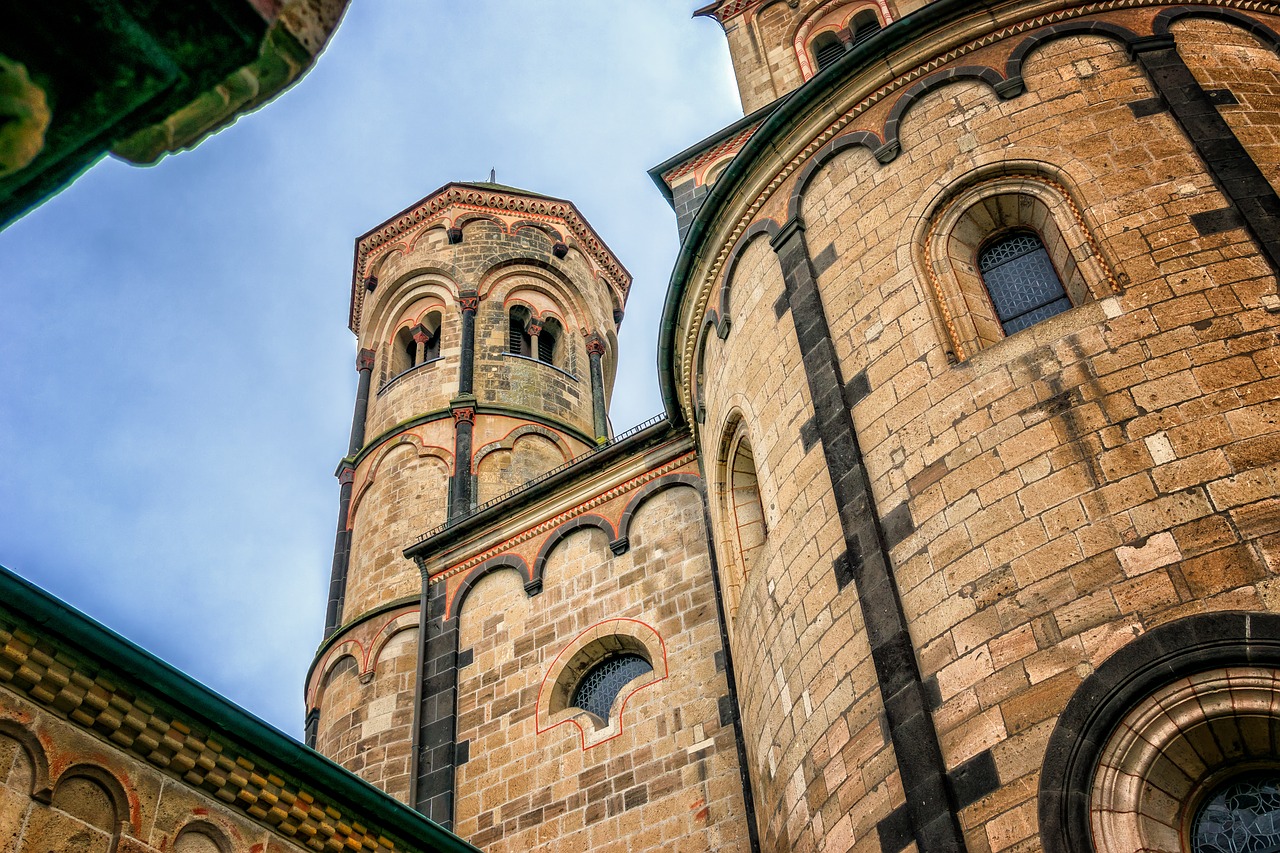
{"type": "Point", "coordinates": [603, 682]}
{"type": "Point", "coordinates": [1023, 284]}
{"type": "Point", "coordinates": [1242, 816]}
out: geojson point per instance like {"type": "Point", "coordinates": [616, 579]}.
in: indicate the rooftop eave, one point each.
{"type": "Point", "coordinates": [413, 218]}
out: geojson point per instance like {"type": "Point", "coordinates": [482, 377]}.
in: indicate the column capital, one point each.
{"type": "Point", "coordinates": [469, 300]}
{"type": "Point", "coordinates": [595, 344]}
{"type": "Point", "coordinates": [534, 327]}
{"type": "Point", "coordinates": [420, 334]}
{"type": "Point", "coordinates": [464, 415]}
{"type": "Point", "coordinates": [364, 359]}
{"type": "Point", "coordinates": [346, 473]}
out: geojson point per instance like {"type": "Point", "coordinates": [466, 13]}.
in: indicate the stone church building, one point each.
{"type": "Point", "coordinates": [960, 530]}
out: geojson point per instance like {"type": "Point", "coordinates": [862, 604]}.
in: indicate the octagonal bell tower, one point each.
{"type": "Point", "coordinates": [486, 320]}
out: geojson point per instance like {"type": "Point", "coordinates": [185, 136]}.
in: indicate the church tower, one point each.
{"type": "Point", "coordinates": [486, 318]}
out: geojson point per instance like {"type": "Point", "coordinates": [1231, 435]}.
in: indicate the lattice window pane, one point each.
{"type": "Point", "coordinates": [1242, 817]}
{"type": "Point", "coordinates": [1023, 284]}
{"type": "Point", "coordinates": [602, 684]}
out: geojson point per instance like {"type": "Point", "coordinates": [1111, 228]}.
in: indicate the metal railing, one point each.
{"type": "Point", "coordinates": [541, 478]}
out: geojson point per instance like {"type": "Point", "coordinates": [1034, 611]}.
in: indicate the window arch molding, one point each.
{"type": "Point", "coordinates": [966, 220]}
{"type": "Point", "coordinates": [835, 15]}
{"type": "Point", "coordinates": [739, 505]}
{"type": "Point", "coordinates": [1138, 709]}
{"type": "Point", "coordinates": [590, 648]}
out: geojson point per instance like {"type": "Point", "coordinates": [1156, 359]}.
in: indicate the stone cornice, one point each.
{"type": "Point", "coordinates": [451, 202]}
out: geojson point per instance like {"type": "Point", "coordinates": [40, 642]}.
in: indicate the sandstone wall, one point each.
{"type": "Point", "coordinates": [668, 778]}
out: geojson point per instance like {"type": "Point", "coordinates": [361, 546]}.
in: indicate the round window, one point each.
{"type": "Point", "coordinates": [602, 683]}
{"type": "Point", "coordinates": [1242, 816]}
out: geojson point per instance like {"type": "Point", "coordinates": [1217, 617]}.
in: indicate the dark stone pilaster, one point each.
{"type": "Point", "coordinates": [933, 819]}
{"type": "Point", "coordinates": [470, 301]}
{"type": "Point", "coordinates": [464, 420]}
{"type": "Point", "coordinates": [1232, 169]}
{"type": "Point", "coordinates": [730, 706]}
{"type": "Point", "coordinates": [595, 351]}
{"type": "Point", "coordinates": [341, 551]}
{"type": "Point", "coordinates": [312, 729]}
{"type": "Point", "coordinates": [435, 752]}
{"type": "Point", "coordinates": [342, 541]}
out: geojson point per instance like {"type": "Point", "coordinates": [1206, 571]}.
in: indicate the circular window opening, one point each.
{"type": "Point", "coordinates": [604, 681]}
{"type": "Point", "coordinates": [1241, 816]}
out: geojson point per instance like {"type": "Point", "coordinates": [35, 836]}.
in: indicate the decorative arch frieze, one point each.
{"type": "Point", "coordinates": [124, 799]}
{"type": "Point", "coordinates": [892, 146]}
{"type": "Point", "coordinates": [1018, 57]}
{"type": "Point", "coordinates": [582, 522]}
{"type": "Point", "coordinates": [585, 650]}
{"type": "Point", "coordinates": [542, 227]}
{"type": "Point", "coordinates": [348, 648]}
{"type": "Point", "coordinates": [424, 451]}
{"type": "Point", "coordinates": [934, 70]}
{"type": "Point", "coordinates": [41, 787]}
{"type": "Point", "coordinates": [764, 227]}
{"type": "Point", "coordinates": [853, 139]}
{"type": "Point", "coordinates": [513, 562]}
{"type": "Point", "coordinates": [508, 442]}
{"type": "Point", "coordinates": [1164, 22]}
{"type": "Point", "coordinates": [647, 491]}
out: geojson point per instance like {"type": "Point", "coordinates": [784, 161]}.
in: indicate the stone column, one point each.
{"type": "Point", "coordinates": [534, 329]}
{"type": "Point", "coordinates": [595, 351]}
{"type": "Point", "coordinates": [420, 337]}
{"type": "Point", "coordinates": [464, 419]}
{"type": "Point", "coordinates": [346, 475]}
{"type": "Point", "coordinates": [470, 301]}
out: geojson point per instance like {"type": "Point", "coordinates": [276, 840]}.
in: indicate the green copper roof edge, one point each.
{"type": "Point", "coordinates": [790, 110]}
{"type": "Point", "coordinates": [94, 641]}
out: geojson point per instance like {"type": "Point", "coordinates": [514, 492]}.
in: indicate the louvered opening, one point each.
{"type": "Point", "coordinates": [827, 49]}
{"type": "Point", "coordinates": [864, 26]}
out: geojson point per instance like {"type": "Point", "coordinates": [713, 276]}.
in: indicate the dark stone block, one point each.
{"type": "Point", "coordinates": [462, 753]}
{"type": "Point", "coordinates": [466, 657]}
{"type": "Point", "coordinates": [895, 831]}
{"type": "Point", "coordinates": [1147, 107]}
{"type": "Point", "coordinates": [809, 434]}
{"type": "Point", "coordinates": [725, 706]}
{"type": "Point", "coordinates": [898, 525]}
{"type": "Point", "coordinates": [932, 693]}
{"type": "Point", "coordinates": [857, 389]}
{"type": "Point", "coordinates": [974, 779]}
{"type": "Point", "coordinates": [843, 570]}
{"type": "Point", "coordinates": [1221, 97]}
{"type": "Point", "coordinates": [824, 259]}
{"type": "Point", "coordinates": [1217, 221]}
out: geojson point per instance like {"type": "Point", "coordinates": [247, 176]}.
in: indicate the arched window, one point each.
{"type": "Point", "coordinates": [518, 339]}
{"type": "Point", "coordinates": [1021, 280]}
{"type": "Point", "coordinates": [549, 340]}
{"type": "Point", "coordinates": [827, 48]}
{"type": "Point", "coordinates": [431, 325]}
{"type": "Point", "coordinates": [1241, 816]}
{"type": "Point", "coordinates": [404, 352]}
{"type": "Point", "coordinates": [601, 685]}
{"type": "Point", "coordinates": [864, 25]}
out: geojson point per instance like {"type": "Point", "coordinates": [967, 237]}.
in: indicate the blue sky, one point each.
{"type": "Point", "coordinates": [176, 373]}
